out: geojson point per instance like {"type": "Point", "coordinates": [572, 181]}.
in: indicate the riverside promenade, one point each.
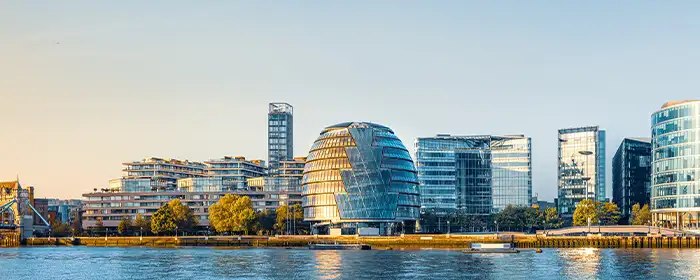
{"type": "Point", "coordinates": [412, 241]}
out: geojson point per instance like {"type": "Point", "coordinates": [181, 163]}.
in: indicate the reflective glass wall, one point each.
{"type": "Point", "coordinates": [359, 172]}
{"type": "Point", "coordinates": [477, 174]}
{"type": "Point", "coordinates": [675, 193]}
{"type": "Point", "coordinates": [631, 182]}
{"type": "Point", "coordinates": [581, 167]}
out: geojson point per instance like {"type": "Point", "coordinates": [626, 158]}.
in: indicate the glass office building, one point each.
{"type": "Point", "coordinates": [675, 191]}
{"type": "Point", "coordinates": [357, 176]}
{"type": "Point", "coordinates": [631, 170]}
{"type": "Point", "coordinates": [581, 167]}
{"type": "Point", "coordinates": [477, 175]}
{"type": "Point", "coordinates": [280, 135]}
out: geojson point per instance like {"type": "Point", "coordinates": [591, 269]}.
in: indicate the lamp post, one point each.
{"type": "Point", "coordinates": [586, 178]}
{"type": "Point", "coordinates": [175, 232]}
{"type": "Point", "coordinates": [496, 222]}
{"type": "Point", "coordinates": [589, 224]}
{"type": "Point", "coordinates": [448, 227]}
{"type": "Point", "coordinates": [141, 233]}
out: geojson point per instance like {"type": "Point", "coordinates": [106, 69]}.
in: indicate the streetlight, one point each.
{"type": "Point", "coordinates": [586, 178]}
{"type": "Point", "coordinates": [496, 222]}
{"type": "Point", "coordinates": [141, 233]}
{"type": "Point", "coordinates": [175, 232]}
{"type": "Point", "coordinates": [448, 226]}
{"type": "Point", "coordinates": [589, 224]}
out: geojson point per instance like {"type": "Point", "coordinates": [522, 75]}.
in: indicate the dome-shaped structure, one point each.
{"type": "Point", "coordinates": [360, 175]}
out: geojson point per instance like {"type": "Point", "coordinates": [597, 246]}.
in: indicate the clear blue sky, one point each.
{"type": "Point", "coordinates": [86, 85]}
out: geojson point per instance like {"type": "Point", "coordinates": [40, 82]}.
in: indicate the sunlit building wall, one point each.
{"type": "Point", "coordinates": [581, 167]}
{"type": "Point", "coordinates": [359, 175]}
{"type": "Point", "coordinates": [675, 191]}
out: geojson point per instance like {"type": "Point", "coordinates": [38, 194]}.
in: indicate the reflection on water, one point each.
{"type": "Point", "coordinates": [327, 264]}
{"type": "Point", "coordinates": [208, 263]}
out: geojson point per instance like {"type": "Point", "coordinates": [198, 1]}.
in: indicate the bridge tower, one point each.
{"type": "Point", "coordinates": [16, 210]}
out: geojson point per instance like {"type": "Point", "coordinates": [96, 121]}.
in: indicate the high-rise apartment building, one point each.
{"type": "Point", "coordinates": [234, 171]}
{"type": "Point", "coordinates": [675, 185]}
{"type": "Point", "coordinates": [478, 175]}
{"type": "Point", "coordinates": [581, 167]}
{"type": "Point", "coordinates": [631, 171]}
{"type": "Point", "coordinates": [160, 174]}
{"type": "Point", "coordinates": [279, 135]}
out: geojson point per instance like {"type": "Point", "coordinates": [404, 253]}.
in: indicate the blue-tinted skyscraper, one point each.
{"type": "Point", "coordinates": [279, 135]}
{"type": "Point", "coordinates": [581, 167]}
{"type": "Point", "coordinates": [675, 187]}
{"type": "Point", "coordinates": [631, 170]}
{"type": "Point", "coordinates": [474, 174]}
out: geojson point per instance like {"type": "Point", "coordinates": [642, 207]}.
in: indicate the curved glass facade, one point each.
{"type": "Point", "coordinates": [675, 193]}
{"type": "Point", "coordinates": [359, 174]}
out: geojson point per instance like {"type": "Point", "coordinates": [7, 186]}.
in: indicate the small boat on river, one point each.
{"type": "Point", "coordinates": [336, 246]}
{"type": "Point", "coordinates": [484, 248]}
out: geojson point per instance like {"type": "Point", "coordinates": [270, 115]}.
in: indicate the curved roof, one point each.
{"type": "Point", "coordinates": [354, 124]}
{"type": "Point", "coordinates": [677, 102]}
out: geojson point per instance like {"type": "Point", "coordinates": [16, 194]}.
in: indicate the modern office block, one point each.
{"type": "Point", "coordinates": [675, 188]}
{"type": "Point", "coordinates": [476, 175]}
{"type": "Point", "coordinates": [359, 175]}
{"type": "Point", "coordinates": [581, 167]}
{"type": "Point", "coordinates": [631, 171]}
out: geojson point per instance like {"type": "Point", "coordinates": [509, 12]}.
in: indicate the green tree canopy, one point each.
{"type": "Point", "coordinates": [124, 225]}
{"type": "Point", "coordinates": [640, 215]}
{"type": "Point", "coordinates": [609, 213]}
{"type": "Point", "coordinates": [551, 218]}
{"type": "Point", "coordinates": [142, 223]}
{"type": "Point", "coordinates": [163, 221]}
{"type": "Point", "coordinates": [286, 218]}
{"type": "Point", "coordinates": [584, 210]}
{"type": "Point", "coordinates": [266, 221]}
{"type": "Point", "coordinates": [232, 213]}
{"type": "Point", "coordinates": [183, 215]}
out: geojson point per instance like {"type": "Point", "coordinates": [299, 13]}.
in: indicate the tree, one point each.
{"type": "Point", "coordinates": [182, 214]}
{"type": "Point", "coordinates": [585, 210]}
{"type": "Point", "coordinates": [266, 221]}
{"type": "Point", "coordinates": [142, 224]}
{"type": "Point", "coordinates": [163, 221]}
{"type": "Point", "coordinates": [124, 225]}
{"type": "Point", "coordinates": [551, 218]}
{"type": "Point", "coordinates": [59, 229]}
{"type": "Point", "coordinates": [99, 225]}
{"type": "Point", "coordinates": [609, 213]}
{"type": "Point", "coordinates": [232, 213]}
{"type": "Point", "coordinates": [640, 215]}
{"type": "Point", "coordinates": [287, 219]}
{"type": "Point", "coordinates": [76, 226]}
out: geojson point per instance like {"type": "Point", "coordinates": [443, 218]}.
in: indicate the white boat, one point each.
{"type": "Point", "coordinates": [337, 246]}
{"type": "Point", "coordinates": [483, 248]}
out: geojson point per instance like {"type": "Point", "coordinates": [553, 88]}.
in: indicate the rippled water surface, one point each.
{"type": "Point", "coordinates": [212, 263]}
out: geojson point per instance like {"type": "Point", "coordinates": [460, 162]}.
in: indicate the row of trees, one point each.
{"type": "Point", "coordinates": [594, 212]}
{"type": "Point", "coordinates": [512, 218]}
{"type": "Point", "coordinates": [232, 214]}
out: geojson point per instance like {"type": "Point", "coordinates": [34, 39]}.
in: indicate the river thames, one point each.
{"type": "Point", "coordinates": [214, 263]}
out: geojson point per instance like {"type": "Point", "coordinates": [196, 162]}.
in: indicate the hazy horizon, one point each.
{"type": "Point", "coordinates": [88, 85]}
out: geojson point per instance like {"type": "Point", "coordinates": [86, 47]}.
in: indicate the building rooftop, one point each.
{"type": "Point", "coordinates": [355, 124]}
{"type": "Point", "coordinates": [677, 102]}
{"type": "Point", "coordinates": [640, 139]}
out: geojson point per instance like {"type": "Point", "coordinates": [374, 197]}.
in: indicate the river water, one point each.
{"type": "Point", "coordinates": [109, 263]}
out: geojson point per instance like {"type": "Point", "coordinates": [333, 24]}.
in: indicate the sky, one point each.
{"type": "Point", "coordinates": [88, 85]}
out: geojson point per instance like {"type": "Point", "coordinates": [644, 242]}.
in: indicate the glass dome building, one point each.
{"type": "Point", "coordinates": [675, 190]}
{"type": "Point", "coordinates": [359, 178]}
